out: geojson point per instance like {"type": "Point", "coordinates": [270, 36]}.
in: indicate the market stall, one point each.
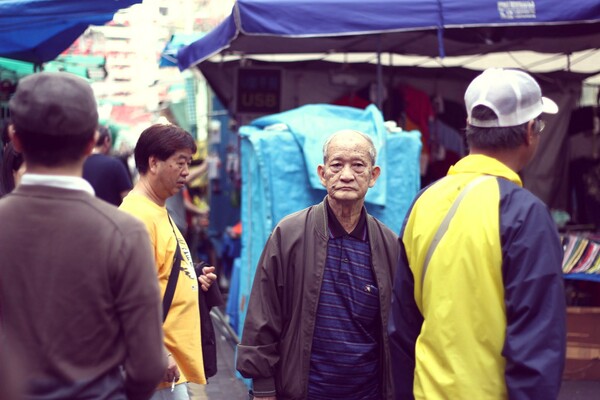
{"type": "Point", "coordinates": [273, 56]}
{"type": "Point", "coordinates": [39, 30]}
{"type": "Point", "coordinates": [34, 32]}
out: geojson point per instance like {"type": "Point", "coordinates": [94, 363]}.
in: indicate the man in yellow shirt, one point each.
{"type": "Point", "coordinates": [163, 154]}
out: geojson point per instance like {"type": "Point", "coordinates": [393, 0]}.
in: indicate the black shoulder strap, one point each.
{"type": "Point", "coordinates": [172, 283]}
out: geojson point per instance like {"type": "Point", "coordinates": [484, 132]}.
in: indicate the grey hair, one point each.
{"type": "Point", "coordinates": [372, 149]}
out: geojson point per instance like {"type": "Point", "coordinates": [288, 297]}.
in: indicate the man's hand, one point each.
{"type": "Point", "coordinates": [207, 278]}
{"type": "Point", "coordinates": [172, 372]}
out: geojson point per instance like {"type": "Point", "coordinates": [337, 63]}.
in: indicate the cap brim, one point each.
{"type": "Point", "coordinates": [549, 106]}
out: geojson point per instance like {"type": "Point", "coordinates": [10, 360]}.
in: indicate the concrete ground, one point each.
{"type": "Point", "coordinates": [227, 386]}
{"type": "Point", "coordinates": [579, 390]}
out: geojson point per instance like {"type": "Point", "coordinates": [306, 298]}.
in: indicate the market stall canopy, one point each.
{"type": "Point", "coordinates": [39, 30]}
{"type": "Point", "coordinates": [168, 57]}
{"type": "Point", "coordinates": [438, 29]}
{"type": "Point", "coordinates": [272, 55]}
{"type": "Point", "coordinates": [540, 36]}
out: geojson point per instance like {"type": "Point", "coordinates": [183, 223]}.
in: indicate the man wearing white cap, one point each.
{"type": "Point", "coordinates": [478, 308]}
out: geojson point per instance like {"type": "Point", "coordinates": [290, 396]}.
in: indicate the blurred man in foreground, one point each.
{"type": "Point", "coordinates": [78, 301]}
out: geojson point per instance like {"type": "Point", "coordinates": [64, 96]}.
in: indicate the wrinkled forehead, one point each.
{"type": "Point", "coordinates": [348, 141]}
{"type": "Point", "coordinates": [348, 151]}
{"type": "Point", "coordinates": [182, 154]}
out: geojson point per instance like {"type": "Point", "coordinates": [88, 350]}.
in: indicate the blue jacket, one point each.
{"type": "Point", "coordinates": [487, 319]}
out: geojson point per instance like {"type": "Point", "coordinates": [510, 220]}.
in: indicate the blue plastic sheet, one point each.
{"type": "Point", "coordinates": [312, 124]}
{"type": "Point", "coordinates": [583, 277]}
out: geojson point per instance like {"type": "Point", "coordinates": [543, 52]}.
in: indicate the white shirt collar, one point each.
{"type": "Point", "coordinates": [58, 181]}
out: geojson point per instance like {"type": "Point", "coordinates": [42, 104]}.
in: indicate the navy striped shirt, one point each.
{"type": "Point", "coordinates": [344, 361]}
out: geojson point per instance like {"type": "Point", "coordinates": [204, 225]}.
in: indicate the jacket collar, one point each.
{"type": "Point", "coordinates": [58, 181]}
{"type": "Point", "coordinates": [336, 229]}
{"type": "Point", "coordinates": [480, 164]}
{"type": "Point", "coordinates": [322, 226]}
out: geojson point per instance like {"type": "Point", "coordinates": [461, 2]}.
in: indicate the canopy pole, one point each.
{"type": "Point", "coordinates": [440, 31]}
{"type": "Point", "coordinates": [379, 99]}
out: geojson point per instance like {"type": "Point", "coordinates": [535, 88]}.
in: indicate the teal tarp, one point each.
{"type": "Point", "coordinates": [311, 124]}
{"type": "Point", "coordinates": [277, 171]}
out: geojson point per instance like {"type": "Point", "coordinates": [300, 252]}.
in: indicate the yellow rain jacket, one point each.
{"type": "Point", "coordinates": [486, 318]}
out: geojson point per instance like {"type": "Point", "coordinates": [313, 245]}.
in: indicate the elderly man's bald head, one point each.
{"type": "Point", "coordinates": [347, 133]}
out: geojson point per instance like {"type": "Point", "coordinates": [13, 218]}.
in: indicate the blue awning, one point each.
{"type": "Point", "coordinates": [39, 30]}
{"type": "Point", "coordinates": [412, 27]}
{"type": "Point", "coordinates": [168, 57]}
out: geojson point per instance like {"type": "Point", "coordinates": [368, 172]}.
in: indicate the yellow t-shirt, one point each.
{"type": "Point", "coordinates": [182, 326]}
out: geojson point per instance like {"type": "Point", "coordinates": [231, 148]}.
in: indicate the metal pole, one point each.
{"type": "Point", "coordinates": [379, 76]}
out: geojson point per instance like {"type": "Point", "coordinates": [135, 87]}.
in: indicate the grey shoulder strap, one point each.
{"type": "Point", "coordinates": [446, 222]}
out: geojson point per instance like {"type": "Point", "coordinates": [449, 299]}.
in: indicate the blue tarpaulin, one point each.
{"type": "Point", "coordinates": [311, 123]}
{"type": "Point", "coordinates": [277, 174]}
{"type": "Point", "coordinates": [583, 277]}
{"type": "Point", "coordinates": [39, 30]}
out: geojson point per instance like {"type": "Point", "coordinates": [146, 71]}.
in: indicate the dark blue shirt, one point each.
{"type": "Point", "coordinates": [108, 176]}
{"type": "Point", "coordinates": [344, 360]}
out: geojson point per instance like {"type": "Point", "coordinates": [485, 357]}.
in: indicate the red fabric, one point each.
{"type": "Point", "coordinates": [237, 229]}
{"type": "Point", "coordinates": [130, 115]}
{"type": "Point", "coordinates": [352, 100]}
{"type": "Point", "coordinates": [418, 109]}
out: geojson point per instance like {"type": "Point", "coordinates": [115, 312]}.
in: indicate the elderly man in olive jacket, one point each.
{"type": "Point", "coordinates": [317, 315]}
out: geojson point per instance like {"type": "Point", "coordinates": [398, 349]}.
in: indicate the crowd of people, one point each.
{"type": "Point", "coordinates": [100, 302]}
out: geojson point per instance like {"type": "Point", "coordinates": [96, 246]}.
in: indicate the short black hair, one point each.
{"type": "Point", "coordinates": [494, 138]}
{"type": "Point", "coordinates": [161, 141]}
{"type": "Point", "coordinates": [53, 150]}
{"type": "Point", "coordinates": [11, 162]}
{"type": "Point", "coordinates": [5, 136]}
{"type": "Point", "coordinates": [103, 133]}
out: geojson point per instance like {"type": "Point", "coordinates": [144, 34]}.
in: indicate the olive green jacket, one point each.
{"type": "Point", "coordinates": [276, 342]}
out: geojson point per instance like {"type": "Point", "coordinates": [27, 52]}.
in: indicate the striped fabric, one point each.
{"type": "Point", "coordinates": [345, 351]}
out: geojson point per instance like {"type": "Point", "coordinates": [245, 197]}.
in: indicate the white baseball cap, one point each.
{"type": "Point", "coordinates": [513, 95]}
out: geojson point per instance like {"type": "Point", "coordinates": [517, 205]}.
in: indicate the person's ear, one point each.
{"type": "Point", "coordinates": [529, 132]}
{"type": "Point", "coordinates": [89, 148]}
{"type": "Point", "coordinates": [14, 138]}
{"type": "Point", "coordinates": [152, 163]}
{"type": "Point", "coordinates": [375, 172]}
{"type": "Point", "coordinates": [321, 173]}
